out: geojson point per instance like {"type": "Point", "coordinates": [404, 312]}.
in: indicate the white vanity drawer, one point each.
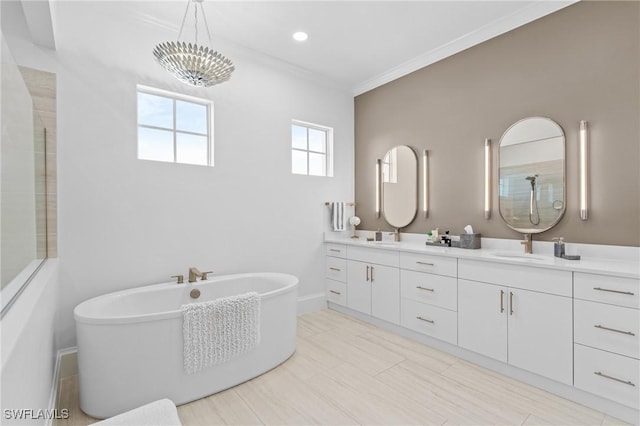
{"type": "Point", "coordinates": [336, 269]}
{"type": "Point", "coordinates": [431, 320]}
{"type": "Point", "coordinates": [373, 255]}
{"type": "Point", "coordinates": [612, 328]}
{"type": "Point", "coordinates": [436, 290]}
{"type": "Point", "coordinates": [607, 289]}
{"type": "Point", "coordinates": [517, 276]}
{"type": "Point", "coordinates": [335, 250]}
{"type": "Point", "coordinates": [336, 292]}
{"type": "Point", "coordinates": [609, 375]}
{"type": "Point", "coordinates": [426, 263]}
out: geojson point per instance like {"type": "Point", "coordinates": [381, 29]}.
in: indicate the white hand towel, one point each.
{"type": "Point", "coordinates": [337, 216]}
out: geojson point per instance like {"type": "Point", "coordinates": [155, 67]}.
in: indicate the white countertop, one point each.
{"type": "Point", "coordinates": [595, 260]}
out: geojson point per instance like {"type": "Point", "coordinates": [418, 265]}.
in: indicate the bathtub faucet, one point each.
{"type": "Point", "coordinates": [194, 274]}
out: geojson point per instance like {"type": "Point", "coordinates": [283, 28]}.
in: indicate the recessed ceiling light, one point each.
{"type": "Point", "coordinates": [300, 36]}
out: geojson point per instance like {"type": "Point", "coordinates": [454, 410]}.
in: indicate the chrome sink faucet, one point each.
{"type": "Point", "coordinates": [396, 235]}
{"type": "Point", "coordinates": [528, 243]}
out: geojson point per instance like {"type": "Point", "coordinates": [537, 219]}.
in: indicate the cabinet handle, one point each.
{"type": "Point", "coordinates": [424, 263]}
{"type": "Point", "coordinates": [614, 291]}
{"type": "Point", "coordinates": [613, 329]}
{"type": "Point", "coordinates": [626, 382]}
{"type": "Point", "coordinates": [336, 250]}
{"type": "Point", "coordinates": [368, 272]}
{"type": "Point", "coordinates": [426, 320]}
{"type": "Point", "coordinates": [334, 292]}
{"type": "Point", "coordinates": [372, 274]}
{"type": "Point", "coordinates": [510, 303]}
{"type": "Point", "coordinates": [425, 288]}
{"type": "Point", "coordinates": [501, 301]}
{"type": "Point", "coordinates": [335, 269]}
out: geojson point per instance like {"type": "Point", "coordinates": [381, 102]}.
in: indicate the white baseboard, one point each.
{"type": "Point", "coordinates": [53, 395]}
{"type": "Point", "coordinates": [311, 303]}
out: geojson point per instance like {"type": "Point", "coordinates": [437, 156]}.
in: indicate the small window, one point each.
{"type": "Point", "coordinates": [311, 149]}
{"type": "Point", "coordinates": [174, 128]}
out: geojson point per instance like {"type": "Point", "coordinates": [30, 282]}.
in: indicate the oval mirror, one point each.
{"type": "Point", "coordinates": [399, 186]}
{"type": "Point", "coordinates": [531, 175]}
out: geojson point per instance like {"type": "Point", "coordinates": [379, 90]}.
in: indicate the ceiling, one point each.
{"type": "Point", "coordinates": [358, 45]}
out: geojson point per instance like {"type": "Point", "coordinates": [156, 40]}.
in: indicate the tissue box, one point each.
{"type": "Point", "coordinates": [469, 241]}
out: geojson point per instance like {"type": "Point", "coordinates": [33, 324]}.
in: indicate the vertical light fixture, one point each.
{"type": "Point", "coordinates": [425, 182]}
{"type": "Point", "coordinates": [487, 178]}
{"type": "Point", "coordinates": [378, 187]}
{"type": "Point", "coordinates": [584, 170]}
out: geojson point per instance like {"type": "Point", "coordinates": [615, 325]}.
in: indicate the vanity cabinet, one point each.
{"type": "Point", "coordinates": [429, 295]}
{"type": "Point", "coordinates": [512, 314]}
{"type": "Point", "coordinates": [374, 289]}
{"type": "Point", "coordinates": [373, 282]}
{"type": "Point", "coordinates": [336, 273]}
{"type": "Point", "coordinates": [606, 337]}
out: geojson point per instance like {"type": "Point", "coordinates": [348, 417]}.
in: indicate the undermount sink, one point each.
{"type": "Point", "coordinates": [514, 255]}
{"type": "Point", "coordinates": [385, 243]}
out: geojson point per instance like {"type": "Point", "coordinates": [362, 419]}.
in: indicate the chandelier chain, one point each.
{"type": "Point", "coordinates": [184, 18]}
{"type": "Point", "coordinates": [195, 14]}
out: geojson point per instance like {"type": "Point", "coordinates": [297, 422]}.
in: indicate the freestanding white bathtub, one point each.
{"type": "Point", "coordinates": [130, 345]}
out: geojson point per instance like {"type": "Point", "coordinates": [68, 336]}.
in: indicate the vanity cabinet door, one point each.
{"type": "Point", "coordinates": [374, 290]}
{"type": "Point", "coordinates": [358, 286]}
{"type": "Point", "coordinates": [385, 293]}
{"type": "Point", "coordinates": [482, 318]}
{"type": "Point", "coordinates": [540, 334]}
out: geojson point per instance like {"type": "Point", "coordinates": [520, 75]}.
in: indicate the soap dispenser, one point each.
{"type": "Point", "coordinates": [378, 235]}
{"type": "Point", "coordinates": [558, 247]}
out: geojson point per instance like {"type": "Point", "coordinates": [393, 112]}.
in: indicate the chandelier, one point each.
{"type": "Point", "coordinates": [195, 65]}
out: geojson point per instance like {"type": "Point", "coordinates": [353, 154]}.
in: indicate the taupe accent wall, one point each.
{"type": "Point", "coordinates": [580, 63]}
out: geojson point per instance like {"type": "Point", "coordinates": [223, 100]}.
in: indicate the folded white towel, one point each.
{"type": "Point", "coordinates": [337, 216]}
{"type": "Point", "coordinates": [158, 413]}
{"type": "Point", "coordinates": [220, 330]}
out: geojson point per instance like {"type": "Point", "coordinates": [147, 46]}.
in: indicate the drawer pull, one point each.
{"type": "Point", "coordinates": [510, 303]}
{"type": "Point", "coordinates": [613, 329]}
{"type": "Point", "coordinates": [626, 382]}
{"type": "Point", "coordinates": [335, 269]}
{"type": "Point", "coordinates": [335, 250]}
{"type": "Point", "coordinates": [614, 291]}
{"type": "Point", "coordinates": [426, 320]}
{"type": "Point", "coordinates": [372, 274]}
{"type": "Point", "coordinates": [501, 301]}
{"type": "Point", "coordinates": [425, 288]}
{"type": "Point", "coordinates": [368, 272]}
{"type": "Point", "coordinates": [335, 292]}
{"type": "Point", "coordinates": [424, 263]}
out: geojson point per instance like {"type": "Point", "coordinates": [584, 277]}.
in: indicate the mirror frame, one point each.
{"type": "Point", "coordinates": [382, 185]}
{"type": "Point", "coordinates": [564, 179]}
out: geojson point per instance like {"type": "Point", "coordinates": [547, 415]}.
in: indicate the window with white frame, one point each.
{"type": "Point", "coordinates": [311, 149]}
{"type": "Point", "coordinates": [174, 128]}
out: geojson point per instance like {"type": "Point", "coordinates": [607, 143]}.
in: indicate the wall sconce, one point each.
{"type": "Point", "coordinates": [425, 183]}
{"type": "Point", "coordinates": [584, 170]}
{"type": "Point", "coordinates": [487, 178]}
{"type": "Point", "coordinates": [378, 187]}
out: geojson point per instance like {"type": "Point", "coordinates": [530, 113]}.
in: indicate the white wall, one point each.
{"type": "Point", "coordinates": [125, 222]}
{"type": "Point", "coordinates": [28, 347]}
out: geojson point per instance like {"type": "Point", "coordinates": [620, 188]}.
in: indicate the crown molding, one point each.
{"type": "Point", "coordinates": [503, 25]}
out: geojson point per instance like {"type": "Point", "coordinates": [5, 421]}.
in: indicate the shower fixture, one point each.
{"type": "Point", "coordinates": [533, 202]}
